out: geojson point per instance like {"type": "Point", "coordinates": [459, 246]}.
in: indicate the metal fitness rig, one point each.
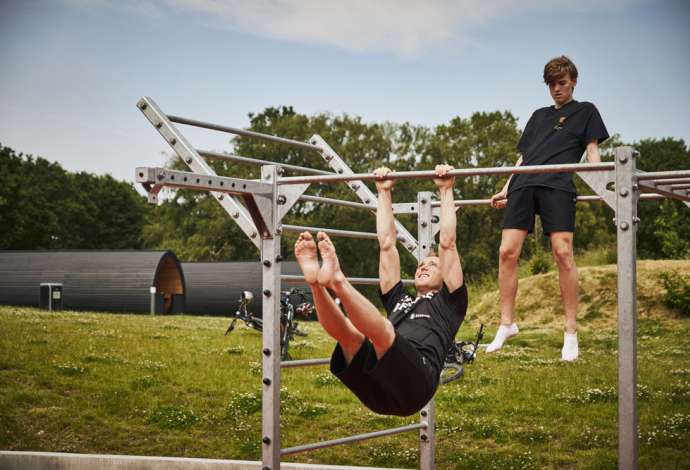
{"type": "Point", "coordinates": [258, 207]}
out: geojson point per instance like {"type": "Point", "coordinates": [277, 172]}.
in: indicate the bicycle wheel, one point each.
{"type": "Point", "coordinates": [451, 371]}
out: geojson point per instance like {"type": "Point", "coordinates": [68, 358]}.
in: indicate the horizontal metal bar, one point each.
{"type": "Point", "coordinates": [243, 132]}
{"type": "Point", "coordinates": [185, 179]}
{"type": "Point", "coordinates": [680, 186]}
{"type": "Point", "coordinates": [257, 161]}
{"type": "Point", "coordinates": [430, 174]}
{"type": "Point", "coordinates": [373, 281]}
{"type": "Point", "coordinates": [666, 175]}
{"type": "Point", "coordinates": [337, 202]}
{"type": "Point", "coordinates": [305, 363]}
{"type": "Point", "coordinates": [331, 231]}
{"type": "Point", "coordinates": [486, 202]}
{"type": "Point", "coordinates": [358, 437]}
{"type": "Point", "coordinates": [671, 181]}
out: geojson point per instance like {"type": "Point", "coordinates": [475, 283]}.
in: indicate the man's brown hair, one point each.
{"type": "Point", "coordinates": [557, 68]}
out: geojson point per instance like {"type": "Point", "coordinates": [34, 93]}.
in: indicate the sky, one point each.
{"type": "Point", "coordinates": [72, 71]}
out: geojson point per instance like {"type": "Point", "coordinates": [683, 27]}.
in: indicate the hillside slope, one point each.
{"type": "Point", "coordinates": [539, 299]}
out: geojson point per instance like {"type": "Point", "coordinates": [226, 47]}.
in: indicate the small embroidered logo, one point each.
{"type": "Point", "coordinates": [559, 124]}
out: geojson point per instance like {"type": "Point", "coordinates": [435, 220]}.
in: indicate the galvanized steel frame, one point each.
{"type": "Point", "coordinates": [272, 202]}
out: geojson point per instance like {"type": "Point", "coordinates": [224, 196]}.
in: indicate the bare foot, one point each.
{"type": "Point", "coordinates": [305, 252]}
{"type": "Point", "coordinates": [330, 269]}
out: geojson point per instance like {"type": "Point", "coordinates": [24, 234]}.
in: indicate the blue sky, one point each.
{"type": "Point", "coordinates": [71, 71]}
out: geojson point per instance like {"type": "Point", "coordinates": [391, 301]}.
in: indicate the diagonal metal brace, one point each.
{"type": "Point", "coordinates": [600, 182]}
{"type": "Point", "coordinates": [196, 163]}
{"type": "Point", "coordinates": [362, 190]}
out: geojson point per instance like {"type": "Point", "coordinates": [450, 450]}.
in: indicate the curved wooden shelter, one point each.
{"type": "Point", "coordinates": [116, 281]}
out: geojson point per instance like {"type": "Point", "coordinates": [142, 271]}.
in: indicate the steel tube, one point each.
{"type": "Point", "coordinates": [430, 174]}
{"type": "Point", "coordinates": [373, 281]}
{"type": "Point", "coordinates": [305, 363]}
{"type": "Point", "coordinates": [666, 175]}
{"type": "Point", "coordinates": [243, 132]}
{"type": "Point", "coordinates": [337, 202]}
{"type": "Point", "coordinates": [355, 438]}
{"type": "Point", "coordinates": [587, 198]}
{"type": "Point", "coordinates": [671, 181]}
{"type": "Point", "coordinates": [257, 161]}
{"type": "Point", "coordinates": [331, 231]}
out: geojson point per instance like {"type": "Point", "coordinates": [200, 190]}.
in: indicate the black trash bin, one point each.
{"type": "Point", "coordinates": [50, 296]}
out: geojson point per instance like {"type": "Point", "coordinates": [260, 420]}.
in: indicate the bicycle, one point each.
{"type": "Point", "coordinates": [459, 354]}
{"type": "Point", "coordinates": [289, 328]}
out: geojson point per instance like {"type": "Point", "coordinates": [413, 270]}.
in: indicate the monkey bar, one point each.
{"type": "Point", "coordinates": [267, 200]}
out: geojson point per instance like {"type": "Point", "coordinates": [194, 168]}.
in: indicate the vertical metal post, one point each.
{"type": "Point", "coordinates": [152, 292]}
{"type": "Point", "coordinates": [425, 236]}
{"type": "Point", "coordinates": [626, 228]}
{"type": "Point", "coordinates": [270, 398]}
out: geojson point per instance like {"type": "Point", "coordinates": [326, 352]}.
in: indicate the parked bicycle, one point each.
{"type": "Point", "coordinates": [289, 327]}
{"type": "Point", "coordinates": [460, 353]}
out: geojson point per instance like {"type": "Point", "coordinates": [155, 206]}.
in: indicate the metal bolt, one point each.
{"type": "Point", "coordinates": [266, 440]}
{"type": "Point", "coordinates": [424, 413]}
{"type": "Point", "coordinates": [635, 153]}
{"type": "Point", "coordinates": [636, 187]}
{"type": "Point", "coordinates": [434, 219]}
{"type": "Point", "coordinates": [367, 201]}
{"type": "Point", "coordinates": [623, 192]}
{"type": "Point", "coordinates": [623, 159]}
{"type": "Point", "coordinates": [189, 161]}
{"type": "Point", "coordinates": [624, 226]}
{"type": "Point", "coordinates": [220, 197]}
{"type": "Point", "coordinates": [173, 141]}
{"type": "Point", "coordinates": [267, 352]}
{"type": "Point", "coordinates": [279, 258]}
{"type": "Point", "coordinates": [340, 171]}
{"type": "Point", "coordinates": [159, 125]}
{"type": "Point", "coordinates": [424, 437]}
{"type": "Point", "coordinates": [281, 200]}
{"type": "Point", "coordinates": [329, 158]}
{"type": "Point", "coordinates": [267, 177]}
{"type": "Point", "coordinates": [313, 141]}
{"type": "Point", "coordinates": [355, 187]}
{"type": "Point", "coordinates": [266, 381]}
{"type": "Point", "coordinates": [265, 467]}
{"type": "Point", "coordinates": [161, 176]}
{"type": "Point", "coordinates": [267, 292]}
{"type": "Point", "coordinates": [280, 171]}
{"type": "Point", "coordinates": [423, 201]}
{"type": "Point", "coordinates": [235, 215]}
{"type": "Point", "coordinates": [267, 263]}
{"type": "Point", "coordinates": [142, 105]}
{"type": "Point", "coordinates": [279, 231]}
{"type": "Point", "coordinates": [636, 220]}
{"type": "Point", "coordinates": [424, 224]}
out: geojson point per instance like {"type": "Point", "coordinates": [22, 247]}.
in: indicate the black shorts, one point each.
{"type": "Point", "coordinates": [399, 383]}
{"type": "Point", "coordinates": [555, 207]}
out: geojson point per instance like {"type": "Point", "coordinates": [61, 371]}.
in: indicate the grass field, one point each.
{"type": "Point", "coordinates": [175, 386]}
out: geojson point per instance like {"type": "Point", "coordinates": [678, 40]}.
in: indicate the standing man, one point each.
{"type": "Point", "coordinates": [557, 134]}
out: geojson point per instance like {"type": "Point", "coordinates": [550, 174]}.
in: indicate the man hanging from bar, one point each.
{"type": "Point", "coordinates": [393, 364]}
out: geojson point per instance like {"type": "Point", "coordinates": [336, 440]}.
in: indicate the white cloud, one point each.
{"type": "Point", "coordinates": [406, 28]}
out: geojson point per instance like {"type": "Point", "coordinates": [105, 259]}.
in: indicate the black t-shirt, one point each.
{"type": "Point", "coordinates": [430, 321]}
{"type": "Point", "coordinates": [554, 137]}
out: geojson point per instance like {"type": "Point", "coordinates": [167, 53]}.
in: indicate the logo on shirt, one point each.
{"type": "Point", "coordinates": [419, 315]}
{"type": "Point", "coordinates": [407, 303]}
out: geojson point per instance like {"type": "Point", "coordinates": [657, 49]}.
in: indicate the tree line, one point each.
{"type": "Point", "coordinates": [42, 206]}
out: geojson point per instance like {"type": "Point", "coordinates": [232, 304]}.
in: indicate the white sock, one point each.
{"type": "Point", "coordinates": [570, 350]}
{"type": "Point", "coordinates": [504, 332]}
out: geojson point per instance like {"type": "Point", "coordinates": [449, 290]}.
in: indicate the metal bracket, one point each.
{"type": "Point", "coordinates": [191, 157]}
{"type": "Point", "coordinates": [361, 190]}
{"type": "Point", "coordinates": [288, 195]}
{"type": "Point", "coordinates": [599, 181]}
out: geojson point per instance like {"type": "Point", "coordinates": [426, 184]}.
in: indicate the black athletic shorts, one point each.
{"type": "Point", "coordinates": [555, 207]}
{"type": "Point", "coordinates": [400, 383]}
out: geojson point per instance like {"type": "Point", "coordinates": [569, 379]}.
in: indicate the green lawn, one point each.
{"type": "Point", "coordinates": [175, 386]}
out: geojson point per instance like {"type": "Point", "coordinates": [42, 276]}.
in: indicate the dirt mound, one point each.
{"type": "Point", "coordinates": [539, 299]}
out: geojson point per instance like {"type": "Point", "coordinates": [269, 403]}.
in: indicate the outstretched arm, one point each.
{"type": "Point", "coordinates": [593, 152]}
{"type": "Point", "coordinates": [389, 258]}
{"type": "Point", "coordinates": [451, 269]}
